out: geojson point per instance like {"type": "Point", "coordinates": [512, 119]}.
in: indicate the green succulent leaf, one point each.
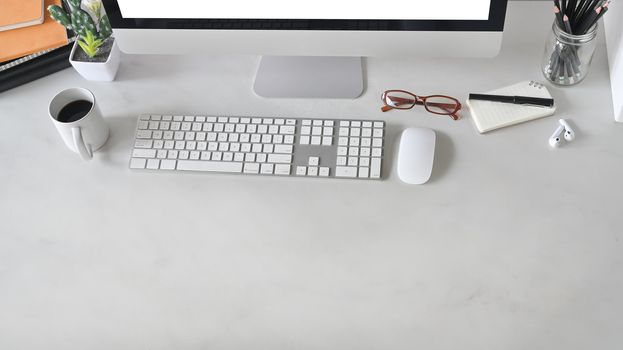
{"type": "Point", "coordinates": [60, 16]}
{"type": "Point", "coordinates": [105, 28]}
{"type": "Point", "coordinates": [90, 44]}
{"type": "Point", "coordinates": [74, 4]}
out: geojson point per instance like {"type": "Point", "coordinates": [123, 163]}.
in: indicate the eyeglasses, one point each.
{"type": "Point", "coordinates": [436, 104]}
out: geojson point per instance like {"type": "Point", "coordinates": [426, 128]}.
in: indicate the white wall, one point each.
{"type": "Point", "coordinates": [614, 40]}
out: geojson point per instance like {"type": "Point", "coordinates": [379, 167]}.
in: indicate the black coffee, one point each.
{"type": "Point", "coordinates": [73, 111]}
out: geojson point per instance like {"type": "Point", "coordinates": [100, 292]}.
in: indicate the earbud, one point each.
{"type": "Point", "coordinates": [555, 140]}
{"type": "Point", "coordinates": [569, 133]}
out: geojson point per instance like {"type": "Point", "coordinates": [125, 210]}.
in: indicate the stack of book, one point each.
{"type": "Point", "coordinates": [32, 45]}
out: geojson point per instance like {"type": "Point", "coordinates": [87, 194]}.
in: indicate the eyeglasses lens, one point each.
{"type": "Point", "coordinates": [441, 105]}
{"type": "Point", "coordinates": [399, 100]}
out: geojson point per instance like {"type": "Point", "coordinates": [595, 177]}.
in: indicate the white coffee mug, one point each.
{"type": "Point", "coordinates": [88, 133]}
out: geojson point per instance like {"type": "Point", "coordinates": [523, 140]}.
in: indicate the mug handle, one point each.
{"type": "Point", "coordinates": [84, 149]}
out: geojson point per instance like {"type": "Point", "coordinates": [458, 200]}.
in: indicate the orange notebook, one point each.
{"type": "Point", "coordinates": [20, 42]}
{"type": "Point", "coordinates": [20, 13]}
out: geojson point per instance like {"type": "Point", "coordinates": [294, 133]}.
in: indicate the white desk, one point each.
{"type": "Point", "coordinates": [511, 245]}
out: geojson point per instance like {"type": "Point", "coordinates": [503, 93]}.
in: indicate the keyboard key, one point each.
{"type": "Point", "coordinates": [228, 156]}
{"type": "Point", "coordinates": [375, 168]}
{"type": "Point", "coordinates": [286, 130]}
{"type": "Point", "coordinates": [282, 169]}
{"type": "Point", "coordinates": [251, 168]}
{"type": "Point", "coordinates": [153, 164]}
{"type": "Point", "coordinates": [144, 153]}
{"type": "Point", "coordinates": [313, 161]}
{"type": "Point", "coordinates": [143, 134]}
{"type": "Point", "coordinates": [327, 140]}
{"type": "Point", "coordinates": [304, 140]}
{"type": "Point", "coordinates": [143, 125]}
{"type": "Point", "coordinates": [316, 140]}
{"type": "Point", "coordinates": [137, 163]}
{"type": "Point", "coordinates": [267, 168]}
{"type": "Point", "coordinates": [194, 165]}
{"type": "Point", "coordinates": [167, 164]}
{"type": "Point", "coordinates": [312, 171]}
{"type": "Point", "coordinates": [344, 171]}
{"type": "Point", "coordinates": [143, 143]}
{"type": "Point", "coordinates": [324, 171]}
{"type": "Point", "coordinates": [283, 149]}
{"type": "Point", "coordinates": [301, 170]}
{"type": "Point", "coordinates": [280, 158]}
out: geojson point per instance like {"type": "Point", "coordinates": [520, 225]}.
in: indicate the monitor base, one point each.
{"type": "Point", "coordinates": [309, 77]}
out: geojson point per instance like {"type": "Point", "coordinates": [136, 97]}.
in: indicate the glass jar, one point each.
{"type": "Point", "coordinates": [568, 57]}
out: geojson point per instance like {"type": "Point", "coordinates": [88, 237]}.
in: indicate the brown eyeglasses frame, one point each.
{"type": "Point", "coordinates": [421, 101]}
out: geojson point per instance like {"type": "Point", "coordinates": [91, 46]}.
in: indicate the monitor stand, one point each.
{"type": "Point", "coordinates": [309, 77]}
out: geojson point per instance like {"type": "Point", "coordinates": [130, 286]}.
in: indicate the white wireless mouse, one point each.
{"type": "Point", "coordinates": [415, 155]}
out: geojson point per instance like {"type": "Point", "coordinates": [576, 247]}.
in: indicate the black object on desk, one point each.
{"type": "Point", "coordinates": [518, 100]}
{"type": "Point", "coordinates": [36, 68]}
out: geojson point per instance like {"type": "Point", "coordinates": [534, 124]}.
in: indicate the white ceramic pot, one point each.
{"type": "Point", "coordinates": [98, 71]}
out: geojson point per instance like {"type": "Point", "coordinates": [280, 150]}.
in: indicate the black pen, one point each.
{"type": "Point", "coordinates": [518, 100]}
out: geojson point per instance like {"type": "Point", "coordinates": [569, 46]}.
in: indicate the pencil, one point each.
{"type": "Point", "coordinates": [604, 9]}
{"type": "Point", "coordinates": [559, 17]}
{"type": "Point", "coordinates": [588, 21]}
{"type": "Point", "coordinates": [567, 26]}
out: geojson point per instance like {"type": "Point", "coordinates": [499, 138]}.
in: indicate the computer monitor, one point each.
{"type": "Point", "coordinates": [310, 48]}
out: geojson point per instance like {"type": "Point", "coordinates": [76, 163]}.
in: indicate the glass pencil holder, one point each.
{"type": "Point", "coordinates": [567, 58]}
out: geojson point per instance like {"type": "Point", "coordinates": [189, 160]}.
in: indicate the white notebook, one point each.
{"type": "Point", "coordinates": [489, 115]}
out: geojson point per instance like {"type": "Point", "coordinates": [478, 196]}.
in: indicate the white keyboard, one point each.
{"type": "Point", "coordinates": [262, 146]}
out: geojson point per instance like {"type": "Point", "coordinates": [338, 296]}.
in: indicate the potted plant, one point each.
{"type": "Point", "coordinates": [95, 54]}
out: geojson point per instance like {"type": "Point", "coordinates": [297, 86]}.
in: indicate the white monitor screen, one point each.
{"type": "Point", "coordinates": [308, 9]}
